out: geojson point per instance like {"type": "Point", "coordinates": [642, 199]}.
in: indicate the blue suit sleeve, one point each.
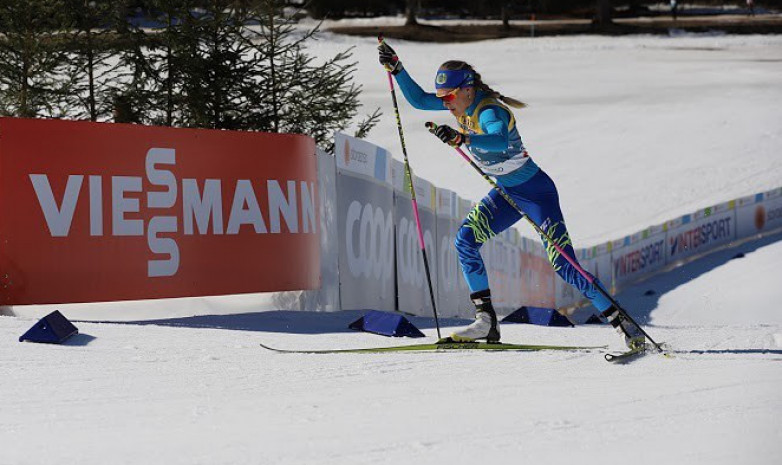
{"type": "Point", "coordinates": [417, 97]}
{"type": "Point", "coordinates": [494, 122]}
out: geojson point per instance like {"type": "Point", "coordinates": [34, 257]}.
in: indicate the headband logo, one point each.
{"type": "Point", "coordinates": [441, 78]}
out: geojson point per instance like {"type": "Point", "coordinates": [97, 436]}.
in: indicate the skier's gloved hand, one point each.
{"type": "Point", "coordinates": [449, 135]}
{"type": "Point", "coordinates": [389, 59]}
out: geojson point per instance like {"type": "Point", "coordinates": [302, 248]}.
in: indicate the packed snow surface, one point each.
{"type": "Point", "coordinates": [634, 130]}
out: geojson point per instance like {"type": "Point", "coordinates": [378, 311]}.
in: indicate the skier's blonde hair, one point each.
{"type": "Point", "coordinates": [480, 85]}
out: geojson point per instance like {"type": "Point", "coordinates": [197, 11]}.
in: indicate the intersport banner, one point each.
{"type": "Point", "coordinates": [102, 212]}
{"type": "Point", "coordinates": [466, 307]}
{"type": "Point", "coordinates": [638, 255]}
{"type": "Point", "coordinates": [700, 232]}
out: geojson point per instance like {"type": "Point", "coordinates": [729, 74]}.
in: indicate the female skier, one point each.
{"type": "Point", "coordinates": [487, 127]}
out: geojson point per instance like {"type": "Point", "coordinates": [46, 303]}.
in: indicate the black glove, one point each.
{"type": "Point", "coordinates": [449, 135]}
{"type": "Point", "coordinates": [389, 59]}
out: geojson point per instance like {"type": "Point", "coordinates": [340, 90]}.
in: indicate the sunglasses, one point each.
{"type": "Point", "coordinates": [450, 96]}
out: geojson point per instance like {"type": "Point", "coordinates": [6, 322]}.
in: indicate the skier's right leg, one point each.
{"type": "Point", "coordinates": [490, 217]}
{"type": "Point", "coordinates": [632, 335]}
{"type": "Point", "coordinates": [541, 203]}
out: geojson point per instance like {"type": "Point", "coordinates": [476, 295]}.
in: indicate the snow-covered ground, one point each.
{"type": "Point", "coordinates": [634, 130]}
{"type": "Point", "coordinates": [131, 394]}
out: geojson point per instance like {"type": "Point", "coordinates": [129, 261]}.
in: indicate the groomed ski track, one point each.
{"type": "Point", "coordinates": [190, 393]}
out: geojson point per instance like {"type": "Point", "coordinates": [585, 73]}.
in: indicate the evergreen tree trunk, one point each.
{"type": "Point", "coordinates": [169, 83]}
{"type": "Point", "coordinates": [411, 10]}
{"type": "Point", "coordinates": [32, 62]}
{"type": "Point", "coordinates": [272, 76]}
{"type": "Point", "coordinates": [83, 29]}
{"type": "Point", "coordinates": [603, 16]}
{"type": "Point", "coordinates": [635, 7]}
{"type": "Point", "coordinates": [91, 77]}
{"type": "Point", "coordinates": [25, 111]}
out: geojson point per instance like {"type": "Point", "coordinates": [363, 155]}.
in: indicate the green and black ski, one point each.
{"type": "Point", "coordinates": [625, 357]}
{"type": "Point", "coordinates": [441, 347]}
{"type": "Point", "coordinates": [634, 353]}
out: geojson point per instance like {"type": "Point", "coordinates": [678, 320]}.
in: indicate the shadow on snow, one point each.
{"type": "Point", "coordinates": [642, 298]}
{"type": "Point", "coordinates": [639, 300]}
{"type": "Point", "coordinates": [285, 321]}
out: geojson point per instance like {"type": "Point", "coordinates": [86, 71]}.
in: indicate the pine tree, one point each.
{"type": "Point", "coordinates": [295, 91]}
{"type": "Point", "coordinates": [31, 59]}
{"type": "Point", "coordinates": [240, 65]}
{"type": "Point", "coordinates": [221, 64]}
{"type": "Point", "coordinates": [87, 26]}
{"type": "Point", "coordinates": [146, 77]}
{"type": "Point", "coordinates": [215, 66]}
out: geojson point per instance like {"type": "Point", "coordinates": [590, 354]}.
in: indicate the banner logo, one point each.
{"type": "Point", "coordinates": [774, 215]}
{"type": "Point", "coordinates": [641, 259]}
{"type": "Point", "coordinates": [372, 230]}
{"type": "Point", "coordinates": [760, 217]}
{"type": "Point", "coordinates": [701, 236]}
{"type": "Point", "coordinates": [410, 260]}
{"type": "Point", "coordinates": [291, 207]}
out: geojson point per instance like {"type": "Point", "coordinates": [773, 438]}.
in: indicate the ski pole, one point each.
{"type": "Point", "coordinates": [409, 178]}
{"type": "Point", "coordinates": [432, 126]}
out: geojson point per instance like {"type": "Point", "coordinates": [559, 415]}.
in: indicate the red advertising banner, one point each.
{"type": "Point", "coordinates": [101, 212]}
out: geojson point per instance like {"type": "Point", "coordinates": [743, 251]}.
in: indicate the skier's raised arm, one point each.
{"type": "Point", "coordinates": [418, 98]}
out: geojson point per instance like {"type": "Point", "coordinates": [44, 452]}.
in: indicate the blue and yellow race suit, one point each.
{"type": "Point", "coordinates": [496, 146]}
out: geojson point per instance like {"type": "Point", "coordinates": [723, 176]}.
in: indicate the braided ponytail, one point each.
{"type": "Point", "coordinates": [480, 85]}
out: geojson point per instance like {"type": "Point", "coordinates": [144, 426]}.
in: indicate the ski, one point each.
{"type": "Point", "coordinates": [624, 357]}
{"type": "Point", "coordinates": [440, 347]}
{"type": "Point", "coordinates": [632, 354]}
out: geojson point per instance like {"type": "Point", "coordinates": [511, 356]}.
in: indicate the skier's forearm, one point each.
{"type": "Point", "coordinates": [414, 94]}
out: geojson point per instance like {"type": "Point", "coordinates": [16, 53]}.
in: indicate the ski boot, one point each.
{"type": "Point", "coordinates": [485, 325]}
{"type": "Point", "coordinates": [632, 335]}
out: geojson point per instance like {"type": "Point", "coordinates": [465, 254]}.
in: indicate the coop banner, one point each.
{"type": "Point", "coordinates": [466, 307]}
{"type": "Point", "coordinates": [412, 281]}
{"type": "Point", "coordinates": [365, 220]}
{"type": "Point", "coordinates": [102, 212]}
{"type": "Point", "coordinates": [448, 270]}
